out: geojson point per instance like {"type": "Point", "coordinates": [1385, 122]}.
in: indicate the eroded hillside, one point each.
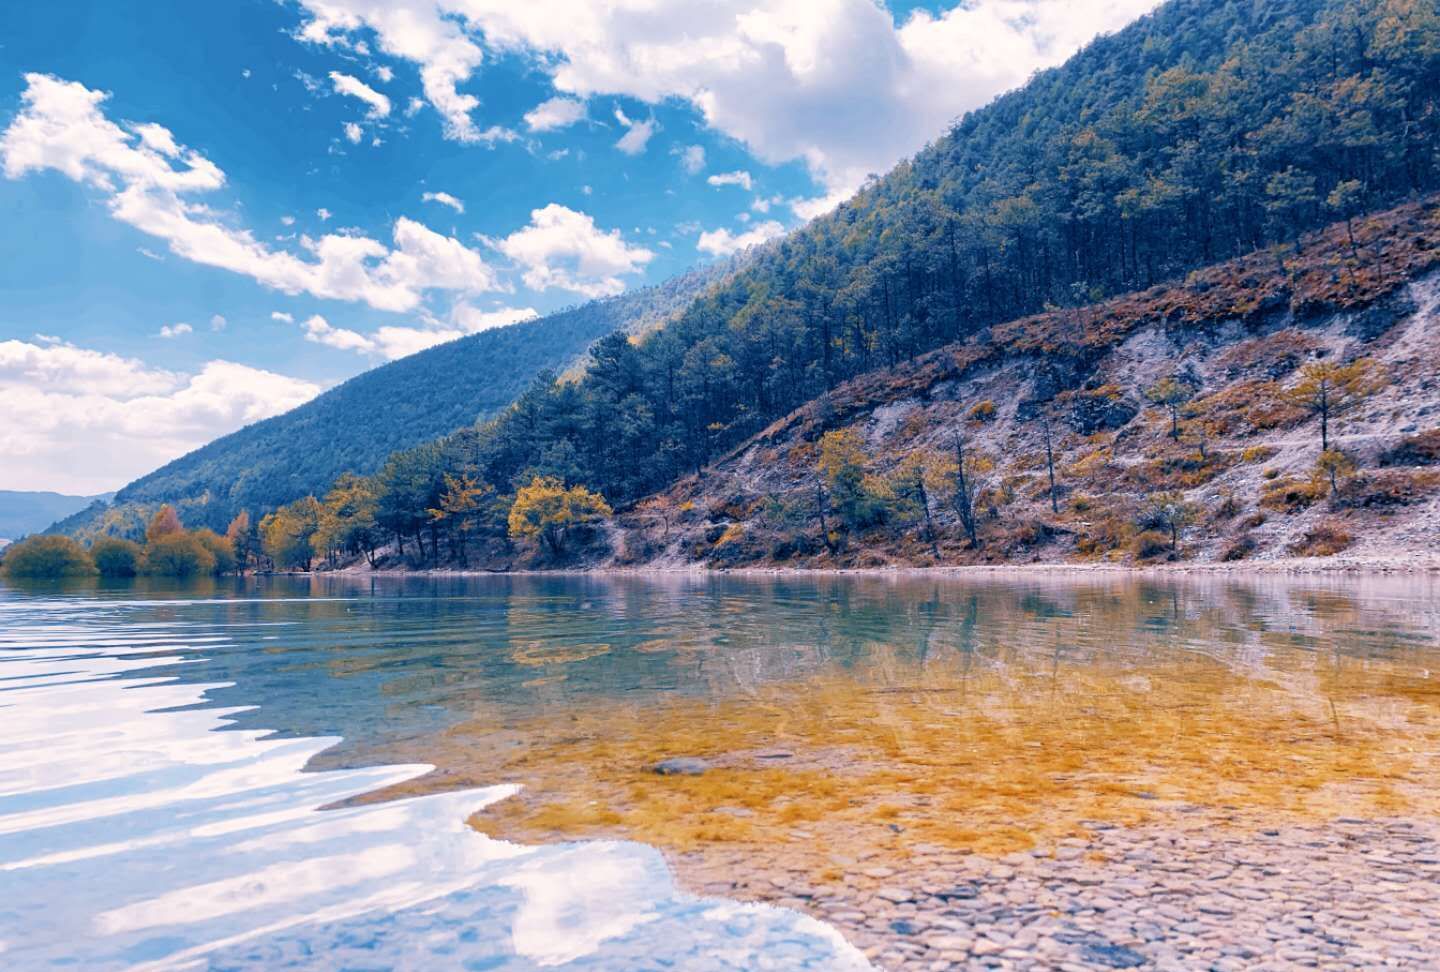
{"type": "Point", "coordinates": [1176, 430]}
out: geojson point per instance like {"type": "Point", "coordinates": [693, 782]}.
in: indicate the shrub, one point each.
{"type": "Point", "coordinates": [1422, 449]}
{"type": "Point", "coordinates": [115, 557]}
{"type": "Point", "coordinates": [1149, 544]}
{"type": "Point", "coordinates": [47, 555]}
{"type": "Point", "coordinates": [220, 549]}
{"type": "Point", "coordinates": [982, 411]}
{"type": "Point", "coordinates": [1258, 453]}
{"type": "Point", "coordinates": [1238, 549]}
{"type": "Point", "coordinates": [1291, 495]}
{"type": "Point", "coordinates": [178, 555]}
{"type": "Point", "coordinates": [1228, 506]}
{"type": "Point", "coordinates": [1388, 487]}
{"type": "Point", "coordinates": [1324, 540]}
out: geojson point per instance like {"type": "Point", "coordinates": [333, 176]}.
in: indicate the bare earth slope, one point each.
{"type": "Point", "coordinates": [1244, 465]}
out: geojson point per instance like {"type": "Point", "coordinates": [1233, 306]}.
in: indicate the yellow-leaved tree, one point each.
{"type": "Point", "coordinates": [460, 509]}
{"type": "Point", "coordinates": [1329, 389]}
{"type": "Point", "coordinates": [165, 522]}
{"type": "Point", "coordinates": [547, 511]}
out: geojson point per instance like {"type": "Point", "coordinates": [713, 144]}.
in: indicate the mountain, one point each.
{"type": "Point", "coordinates": [1206, 130]}
{"type": "Point", "coordinates": [353, 427]}
{"type": "Point", "coordinates": [23, 513]}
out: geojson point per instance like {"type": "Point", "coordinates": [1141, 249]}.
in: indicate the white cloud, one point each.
{"type": "Point", "coordinates": [321, 331]}
{"type": "Point", "coordinates": [355, 88]}
{"type": "Point", "coordinates": [495, 135]}
{"type": "Point", "coordinates": [412, 108]}
{"type": "Point", "coordinates": [124, 417]}
{"type": "Point", "coordinates": [393, 342]}
{"type": "Point", "coordinates": [554, 114]}
{"type": "Point", "coordinates": [444, 199]}
{"type": "Point", "coordinates": [740, 178]}
{"type": "Point", "coordinates": [218, 322]}
{"type": "Point", "coordinates": [151, 254]}
{"type": "Point", "coordinates": [384, 73]}
{"type": "Point", "coordinates": [472, 319]}
{"type": "Point", "coordinates": [282, 316]}
{"type": "Point", "coordinates": [637, 133]}
{"type": "Point", "coordinates": [287, 220]}
{"type": "Point", "coordinates": [324, 214]}
{"type": "Point", "coordinates": [692, 158]}
{"type": "Point", "coordinates": [564, 248]}
{"type": "Point", "coordinates": [353, 133]}
{"type": "Point", "coordinates": [722, 242]}
{"type": "Point", "coordinates": [175, 330]}
{"type": "Point", "coordinates": [146, 178]}
{"type": "Point", "coordinates": [837, 84]}
{"type": "Point", "coordinates": [421, 32]}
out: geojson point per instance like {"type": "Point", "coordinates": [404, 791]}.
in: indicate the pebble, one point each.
{"type": "Point", "coordinates": [1183, 895]}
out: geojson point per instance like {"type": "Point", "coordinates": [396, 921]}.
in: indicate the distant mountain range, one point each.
{"type": "Point", "coordinates": [23, 513]}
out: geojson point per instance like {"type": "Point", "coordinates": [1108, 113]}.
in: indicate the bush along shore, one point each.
{"type": "Point", "coordinates": [166, 549]}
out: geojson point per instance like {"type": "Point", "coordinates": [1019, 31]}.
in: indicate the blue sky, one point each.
{"type": "Point", "coordinates": [214, 211]}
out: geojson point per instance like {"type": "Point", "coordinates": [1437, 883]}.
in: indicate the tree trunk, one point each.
{"type": "Point", "coordinates": [1050, 467]}
{"type": "Point", "coordinates": [824, 526]}
{"type": "Point", "coordinates": [964, 505]}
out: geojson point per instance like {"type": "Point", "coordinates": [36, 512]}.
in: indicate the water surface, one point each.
{"type": "Point", "coordinates": [188, 775]}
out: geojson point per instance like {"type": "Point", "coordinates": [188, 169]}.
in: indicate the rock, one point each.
{"type": "Point", "coordinates": [680, 766]}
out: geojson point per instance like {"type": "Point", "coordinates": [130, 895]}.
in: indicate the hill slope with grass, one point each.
{"type": "Point", "coordinates": [1183, 424]}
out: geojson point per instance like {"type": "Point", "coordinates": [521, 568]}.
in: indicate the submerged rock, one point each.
{"type": "Point", "coordinates": [680, 766]}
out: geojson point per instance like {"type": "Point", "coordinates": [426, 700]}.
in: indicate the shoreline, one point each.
{"type": "Point", "coordinates": [1293, 566]}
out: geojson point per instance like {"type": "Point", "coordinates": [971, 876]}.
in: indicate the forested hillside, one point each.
{"type": "Point", "coordinates": [353, 427]}
{"type": "Point", "coordinates": [1206, 130]}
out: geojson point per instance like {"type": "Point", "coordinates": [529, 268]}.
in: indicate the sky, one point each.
{"type": "Point", "coordinates": [214, 212]}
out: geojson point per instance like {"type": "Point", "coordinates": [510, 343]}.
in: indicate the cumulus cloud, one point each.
{"type": "Point", "coordinates": [123, 416]}
{"type": "Point", "coordinates": [554, 114]}
{"type": "Point", "coordinates": [722, 242]}
{"type": "Point", "coordinates": [175, 330]}
{"type": "Point", "coordinates": [740, 178]}
{"type": "Point", "coordinates": [218, 322]}
{"type": "Point", "coordinates": [353, 133]}
{"type": "Point", "coordinates": [427, 34]}
{"type": "Point", "coordinates": [283, 317]}
{"type": "Point", "coordinates": [637, 133]}
{"type": "Point", "coordinates": [692, 158]}
{"type": "Point", "coordinates": [346, 85]}
{"type": "Point", "coordinates": [837, 84]}
{"type": "Point", "coordinates": [391, 342]}
{"type": "Point", "coordinates": [564, 248]}
{"type": "Point", "coordinates": [148, 181]}
{"type": "Point", "coordinates": [444, 199]}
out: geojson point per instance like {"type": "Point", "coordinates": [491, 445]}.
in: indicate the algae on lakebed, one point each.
{"type": "Point", "coordinates": [846, 764]}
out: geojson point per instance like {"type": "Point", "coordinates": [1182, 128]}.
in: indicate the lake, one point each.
{"type": "Point", "coordinates": [425, 772]}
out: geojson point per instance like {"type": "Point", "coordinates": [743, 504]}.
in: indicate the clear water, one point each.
{"type": "Point", "coordinates": [178, 765]}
